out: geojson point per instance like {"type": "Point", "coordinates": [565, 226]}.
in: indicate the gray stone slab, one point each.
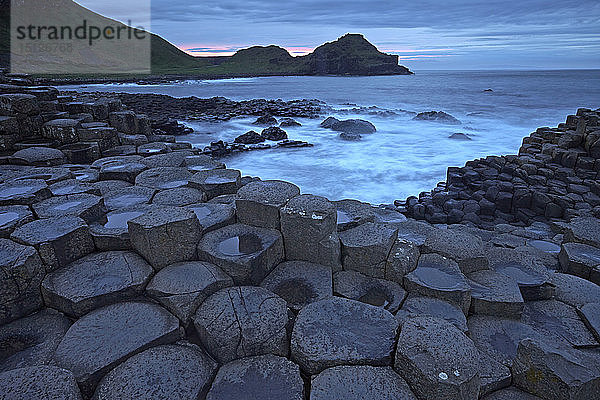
{"type": "Point", "coordinates": [431, 307]}
{"type": "Point", "coordinates": [462, 247]}
{"type": "Point", "coordinates": [351, 213]}
{"type": "Point", "coordinates": [258, 203]}
{"type": "Point", "coordinates": [128, 197]}
{"type": "Point", "coordinates": [213, 216]}
{"type": "Point", "coordinates": [366, 248]}
{"type": "Point", "coordinates": [111, 232]}
{"type": "Point", "coordinates": [85, 206]}
{"type": "Point", "coordinates": [217, 182]}
{"type": "Point", "coordinates": [42, 382]}
{"type": "Point", "coordinates": [584, 230]}
{"type": "Point", "coordinates": [579, 259]}
{"type": "Point", "coordinates": [590, 315]}
{"type": "Point", "coordinates": [24, 191]}
{"type": "Point", "coordinates": [179, 197]}
{"type": "Point", "coordinates": [12, 217]}
{"type": "Point", "coordinates": [377, 292]}
{"type": "Point", "coordinates": [495, 294]}
{"type": "Point", "coordinates": [163, 178]}
{"type": "Point", "coordinates": [573, 290]}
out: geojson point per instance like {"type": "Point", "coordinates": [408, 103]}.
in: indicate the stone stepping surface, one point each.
{"type": "Point", "coordinates": [258, 203]}
{"type": "Point", "coordinates": [439, 277]}
{"type": "Point", "coordinates": [243, 321]}
{"type": "Point", "coordinates": [339, 331]}
{"type": "Point", "coordinates": [128, 197]}
{"type": "Point", "coordinates": [300, 283]}
{"type": "Point", "coordinates": [432, 307]}
{"type": "Point", "coordinates": [73, 186]}
{"type": "Point", "coordinates": [163, 178]}
{"type": "Point", "coordinates": [437, 360]}
{"type": "Point", "coordinates": [265, 377]}
{"type": "Point", "coordinates": [31, 341]}
{"type": "Point", "coordinates": [495, 294]}
{"type": "Point", "coordinates": [120, 169]}
{"type": "Point", "coordinates": [213, 216]}
{"type": "Point", "coordinates": [104, 338]}
{"type": "Point", "coordinates": [584, 230]}
{"type": "Point", "coordinates": [462, 247]}
{"type": "Point", "coordinates": [573, 290]}
{"type": "Point", "coordinates": [23, 191]}
{"type": "Point", "coordinates": [178, 371]}
{"type": "Point", "coordinates": [50, 175]}
{"type": "Point", "coordinates": [179, 197]}
{"type": "Point", "coordinates": [165, 235]}
{"type": "Point", "coordinates": [350, 383]}
{"type": "Point", "coordinates": [366, 248]}
{"type": "Point", "coordinates": [12, 217]}
{"type": "Point", "coordinates": [41, 382]}
{"type": "Point", "coordinates": [201, 162]}
{"type": "Point", "coordinates": [245, 253]}
{"type": "Point", "coordinates": [376, 292]}
{"type": "Point", "coordinates": [85, 206]}
{"type": "Point", "coordinates": [217, 182]}
{"type": "Point", "coordinates": [94, 281]}
{"type": "Point", "coordinates": [351, 213]}
{"type": "Point", "coordinates": [182, 287]}
{"type": "Point", "coordinates": [58, 240]}
{"type": "Point", "coordinates": [111, 232]}
{"type": "Point", "coordinates": [579, 259]}
{"type": "Point", "coordinates": [39, 156]}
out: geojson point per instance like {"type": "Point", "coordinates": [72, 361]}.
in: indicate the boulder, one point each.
{"type": "Point", "coordinates": [300, 283]}
{"type": "Point", "coordinates": [217, 182]}
{"type": "Point", "coordinates": [437, 360]}
{"type": "Point", "coordinates": [104, 338]}
{"type": "Point", "coordinates": [265, 377]}
{"type": "Point", "coordinates": [165, 235]}
{"type": "Point", "coordinates": [265, 120]}
{"type": "Point", "coordinates": [24, 191]}
{"type": "Point", "coordinates": [460, 136]}
{"type": "Point", "coordinates": [258, 203]}
{"type": "Point", "coordinates": [85, 206]}
{"type": "Point", "coordinates": [41, 382]}
{"type": "Point", "coordinates": [436, 116]}
{"type": "Point", "coordinates": [350, 137]}
{"type": "Point", "coordinates": [182, 287]}
{"type": "Point", "coordinates": [329, 122]}
{"type": "Point", "coordinates": [181, 371]}
{"type": "Point", "coordinates": [243, 321]}
{"type": "Point", "coordinates": [349, 383]}
{"type": "Point", "coordinates": [274, 133]}
{"type": "Point", "coordinates": [366, 248]}
{"type": "Point", "coordinates": [338, 331]}
{"type": "Point", "coordinates": [245, 253]}
{"type": "Point", "coordinates": [59, 240]}
{"type": "Point", "coordinates": [418, 306]}
{"type": "Point", "coordinates": [39, 156]}
{"type": "Point", "coordinates": [31, 341]}
{"type": "Point", "coordinates": [95, 281]}
{"type": "Point", "coordinates": [288, 122]}
{"type": "Point", "coordinates": [376, 292]}
{"type": "Point", "coordinates": [354, 127]}
{"type": "Point", "coordinates": [250, 137]}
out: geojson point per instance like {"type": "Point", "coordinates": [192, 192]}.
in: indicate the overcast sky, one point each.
{"type": "Point", "coordinates": [426, 34]}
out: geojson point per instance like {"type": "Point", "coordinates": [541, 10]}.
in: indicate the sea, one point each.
{"type": "Point", "coordinates": [404, 157]}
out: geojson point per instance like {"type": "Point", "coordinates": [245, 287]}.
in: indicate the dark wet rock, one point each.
{"type": "Point", "coordinates": [39, 156]}
{"type": "Point", "coordinates": [165, 235]}
{"type": "Point", "coordinates": [579, 259]}
{"type": "Point", "coordinates": [462, 247]}
{"type": "Point", "coordinates": [12, 217]}
{"type": "Point", "coordinates": [163, 178]}
{"type": "Point", "coordinates": [21, 272]}
{"type": "Point", "coordinates": [265, 120]}
{"type": "Point", "coordinates": [339, 331]}
{"type": "Point", "coordinates": [274, 133]}
{"type": "Point", "coordinates": [439, 277]}
{"type": "Point", "coordinates": [59, 240]}
{"type": "Point", "coordinates": [179, 197]}
{"type": "Point", "coordinates": [202, 163]}
{"type": "Point", "coordinates": [116, 159]}
{"type": "Point", "coordinates": [182, 287]}
{"type": "Point", "coordinates": [173, 159]}
{"type": "Point", "coordinates": [104, 338]}
{"type": "Point", "coordinates": [288, 122]}
{"type": "Point", "coordinates": [329, 122]}
{"type": "Point", "coordinates": [95, 281]}
{"type": "Point", "coordinates": [584, 230]}
{"type": "Point", "coordinates": [111, 232]}
{"type": "Point", "coordinates": [62, 130]}
{"type": "Point", "coordinates": [574, 291]}
{"type": "Point", "coordinates": [128, 196]}
{"type": "Point", "coordinates": [213, 216]}
{"type": "Point", "coordinates": [350, 137]}
{"type": "Point", "coordinates": [74, 186]}
{"type": "Point", "coordinates": [510, 393]}
{"type": "Point", "coordinates": [545, 246]}
{"type": "Point", "coordinates": [590, 315]}
{"type": "Point", "coordinates": [348, 383]}
{"type": "Point", "coordinates": [460, 136]}
{"type": "Point", "coordinates": [258, 203]}
{"type": "Point", "coordinates": [121, 151]}
{"type": "Point", "coordinates": [389, 217]}
{"type": "Point", "coordinates": [85, 206]}
{"type": "Point", "coordinates": [50, 175]}
{"type": "Point", "coordinates": [81, 152]}
{"type": "Point", "coordinates": [366, 248]}
{"type": "Point", "coordinates": [558, 321]}
{"type": "Point", "coordinates": [217, 182]}
{"type": "Point", "coordinates": [495, 294]}
{"type": "Point", "coordinates": [351, 213]}
{"type": "Point", "coordinates": [181, 371]}
{"type": "Point", "coordinates": [243, 321]}
{"type": "Point", "coordinates": [376, 292]}
{"type": "Point", "coordinates": [402, 260]}
{"type": "Point", "coordinates": [121, 170]}
{"type": "Point", "coordinates": [437, 360]}
{"type": "Point", "coordinates": [499, 337]}
{"type": "Point", "coordinates": [431, 307]}
{"type": "Point", "coordinates": [32, 340]}
{"type": "Point", "coordinates": [250, 137]}
{"type": "Point", "coordinates": [493, 375]}
{"type": "Point", "coordinates": [245, 253]}
{"type": "Point", "coordinates": [86, 175]}
{"type": "Point", "coordinates": [25, 191]}
{"type": "Point", "coordinates": [554, 372]}
{"type": "Point", "coordinates": [309, 229]}
{"type": "Point", "coordinates": [436, 116]}
{"type": "Point", "coordinates": [300, 283]}
{"type": "Point", "coordinates": [353, 127]}
{"type": "Point", "coordinates": [265, 377]}
{"type": "Point", "coordinates": [149, 149]}
{"type": "Point", "coordinates": [41, 382]}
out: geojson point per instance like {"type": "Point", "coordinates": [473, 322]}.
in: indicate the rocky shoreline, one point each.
{"type": "Point", "coordinates": [134, 266]}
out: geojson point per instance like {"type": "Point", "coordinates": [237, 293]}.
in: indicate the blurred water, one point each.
{"type": "Point", "coordinates": [404, 157]}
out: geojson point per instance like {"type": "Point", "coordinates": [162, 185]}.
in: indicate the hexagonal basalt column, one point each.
{"type": "Point", "coordinates": [258, 203]}
{"type": "Point", "coordinates": [366, 248]}
{"type": "Point", "coordinates": [121, 170]}
{"type": "Point", "coordinates": [86, 206]}
{"type": "Point", "coordinates": [352, 213]}
{"type": "Point", "coordinates": [95, 281]}
{"type": "Point", "coordinates": [376, 292]}
{"type": "Point", "coordinates": [111, 232]}
{"type": "Point", "coordinates": [62, 130]}
{"type": "Point", "coordinates": [21, 272]}
{"type": "Point", "coordinates": [131, 196]}
{"type": "Point", "coordinates": [217, 182]}
{"type": "Point", "coordinates": [40, 382]}
{"type": "Point", "coordinates": [579, 259]}
{"type": "Point", "coordinates": [245, 253]}
{"type": "Point", "coordinates": [164, 178]}
{"type": "Point", "coordinates": [179, 197]}
{"type": "Point", "coordinates": [309, 228]}
{"type": "Point", "coordinates": [59, 240]}
{"type": "Point", "coordinates": [213, 216]}
{"type": "Point", "coordinates": [165, 235]}
{"type": "Point", "coordinates": [12, 217]}
{"type": "Point", "coordinates": [244, 321]}
{"type": "Point", "coordinates": [26, 191]}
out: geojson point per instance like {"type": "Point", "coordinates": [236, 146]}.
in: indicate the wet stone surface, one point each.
{"type": "Point", "coordinates": [217, 182]}
{"type": "Point", "coordinates": [25, 191]}
{"type": "Point", "coordinates": [179, 197]}
{"type": "Point", "coordinates": [12, 217]}
{"type": "Point", "coordinates": [351, 213]}
{"type": "Point", "coordinates": [41, 382]}
{"type": "Point", "coordinates": [376, 292]}
{"type": "Point", "coordinates": [431, 307]}
{"type": "Point", "coordinates": [73, 186]}
{"type": "Point", "coordinates": [111, 232]}
{"type": "Point", "coordinates": [163, 178]}
{"type": "Point", "coordinates": [128, 197]}
{"type": "Point", "coordinates": [495, 294]}
{"type": "Point", "coordinates": [258, 203]}
{"type": "Point", "coordinates": [213, 216]}
{"type": "Point", "coordinates": [243, 321]}
{"type": "Point", "coordinates": [86, 206]}
{"type": "Point", "coordinates": [121, 170]}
